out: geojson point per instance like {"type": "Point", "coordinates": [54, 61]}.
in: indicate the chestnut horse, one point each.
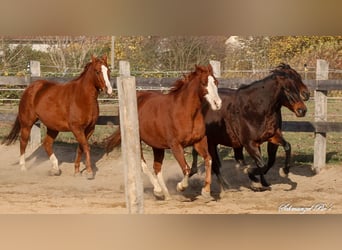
{"type": "Point", "coordinates": [175, 121]}
{"type": "Point", "coordinates": [250, 116]}
{"type": "Point", "coordinates": [71, 107]}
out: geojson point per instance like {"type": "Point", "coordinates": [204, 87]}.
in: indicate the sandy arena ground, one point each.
{"type": "Point", "coordinates": [35, 192]}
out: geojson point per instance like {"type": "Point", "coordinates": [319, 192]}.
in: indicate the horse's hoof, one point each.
{"type": "Point", "coordinates": [55, 172]}
{"type": "Point", "coordinates": [257, 187]}
{"type": "Point", "coordinates": [167, 198]}
{"type": "Point", "coordinates": [78, 174]}
{"type": "Point", "coordinates": [158, 194]}
{"type": "Point", "coordinates": [23, 169]}
{"type": "Point", "coordinates": [205, 196]}
{"type": "Point", "coordinates": [180, 187]}
{"type": "Point", "coordinates": [246, 169]}
{"type": "Point", "coordinates": [283, 173]}
{"type": "Point", "coordinates": [90, 176]}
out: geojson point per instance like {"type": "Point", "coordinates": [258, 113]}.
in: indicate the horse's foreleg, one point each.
{"type": "Point", "coordinates": [278, 140]}
{"type": "Point", "coordinates": [194, 168]}
{"type": "Point", "coordinates": [178, 152]}
{"type": "Point", "coordinates": [239, 158]}
{"type": "Point", "coordinates": [202, 149]}
{"type": "Point", "coordinates": [79, 152]}
{"type": "Point", "coordinates": [86, 150]}
{"type": "Point", "coordinates": [286, 169]}
{"type": "Point", "coordinates": [48, 142]}
{"type": "Point", "coordinates": [82, 138]}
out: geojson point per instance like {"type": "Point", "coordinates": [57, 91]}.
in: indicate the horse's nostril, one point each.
{"type": "Point", "coordinates": [301, 112]}
{"type": "Point", "coordinates": [218, 104]}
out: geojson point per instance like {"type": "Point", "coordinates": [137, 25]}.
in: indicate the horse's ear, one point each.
{"type": "Point", "coordinates": [198, 69]}
{"type": "Point", "coordinates": [93, 58]}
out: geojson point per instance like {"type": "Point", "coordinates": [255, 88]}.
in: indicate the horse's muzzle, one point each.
{"type": "Point", "coordinates": [301, 112]}
{"type": "Point", "coordinates": [109, 90]}
{"type": "Point", "coordinates": [218, 104]}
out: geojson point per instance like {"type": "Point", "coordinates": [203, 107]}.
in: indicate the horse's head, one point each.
{"type": "Point", "coordinates": [208, 86]}
{"type": "Point", "coordinates": [102, 73]}
{"type": "Point", "coordinates": [291, 93]}
{"type": "Point", "coordinates": [291, 73]}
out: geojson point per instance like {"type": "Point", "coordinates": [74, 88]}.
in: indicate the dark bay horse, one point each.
{"type": "Point", "coordinates": [175, 121]}
{"type": "Point", "coordinates": [71, 107]}
{"type": "Point", "coordinates": [250, 116]}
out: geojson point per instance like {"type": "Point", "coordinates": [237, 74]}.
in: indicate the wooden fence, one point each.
{"type": "Point", "coordinates": [321, 86]}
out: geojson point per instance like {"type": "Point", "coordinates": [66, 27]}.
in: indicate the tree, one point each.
{"type": "Point", "coordinates": [267, 52]}
{"type": "Point", "coordinates": [183, 52]}
{"type": "Point", "coordinates": [69, 54]}
{"type": "Point", "coordinates": [13, 57]}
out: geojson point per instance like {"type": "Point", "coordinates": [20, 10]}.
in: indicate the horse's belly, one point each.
{"type": "Point", "coordinates": [55, 124]}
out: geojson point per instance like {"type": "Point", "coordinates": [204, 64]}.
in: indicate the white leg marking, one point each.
{"type": "Point", "coordinates": [152, 177]}
{"type": "Point", "coordinates": [54, 162]}
{"type": "Point", "coordinates": [163, 185]}
{"type": "Point", "coordinates": [181, 186]}
{"type": "Point", "coordinates": [22, 162]}
{"type": "Point", "coordinates": [105, 77]}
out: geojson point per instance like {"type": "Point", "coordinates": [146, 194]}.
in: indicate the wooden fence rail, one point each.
{"type": "Point", "coordinates": [321, 86]}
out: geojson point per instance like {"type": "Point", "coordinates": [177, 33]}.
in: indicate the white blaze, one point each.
{"type": "Point", "coordinates": [105, 77]}
{"type": "Point", "coordinates": [212, 97]}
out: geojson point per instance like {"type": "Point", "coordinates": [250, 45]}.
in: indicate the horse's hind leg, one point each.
{"type": "Point", "coordinates": [157, 189]}
{"type": "Point", "coordinates": [239, 158]}
{"type": "Point", "coordinates": [24, 137]}
{"type": "Point", "coordinates": [216, 165]}
{"type": "Point", "coordinates": [254, 152]}
{"type": "Point", "coordinates": [158, 155]}
{"type": "Point", "coordinates": [48, 143]}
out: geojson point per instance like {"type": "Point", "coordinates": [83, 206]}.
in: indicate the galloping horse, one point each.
{"type": "Point", "coordinates": [71, 107]}
{"type": "Point", "coordinates": [250, 116]}
{"type": "Point", "coordinates": [175, 121]}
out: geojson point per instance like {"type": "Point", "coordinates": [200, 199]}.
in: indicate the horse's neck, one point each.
{"type": "Point", "coordinates": [263, 95]}
{"type": "Point", "coordinates": [86, 85]}
{"type": "Point", "coordinates": [190, 99]}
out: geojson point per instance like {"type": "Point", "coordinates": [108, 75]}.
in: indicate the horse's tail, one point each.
{"type": "Point", "coordinates": [14, 134]}
{"type": "Point", "coordinates": [113, 141]}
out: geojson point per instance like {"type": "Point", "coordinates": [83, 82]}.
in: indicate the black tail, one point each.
{"type": "Point", "coordinates": [113, 140]}
{"type": "Point", "coordinates": [14, 134]}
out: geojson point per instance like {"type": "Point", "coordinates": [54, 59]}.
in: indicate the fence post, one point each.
{"type": "Point", "coordinates": [130, 139]}
{"type": "Point", "coordinates": [35, 137]}
{"type": "Point", "coordinates": [321, 114]}
{"type": "Point", "coordinates": [216, 68]}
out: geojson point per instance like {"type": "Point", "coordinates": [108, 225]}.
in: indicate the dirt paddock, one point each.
{"type": "Point", "coordinates": [35, 192]}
